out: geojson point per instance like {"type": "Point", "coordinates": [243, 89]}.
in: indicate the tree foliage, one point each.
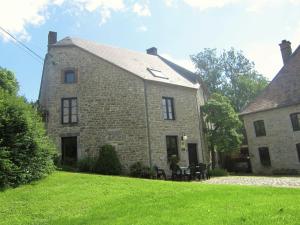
{"type": "Point", "coordinates": [8, 81]}
{"type": "Point", "coordinates": [230, 74]}
{"type": "Point", "coordinates": [25, 151]}
{"type": "Point", "coordinates": [224, 134]}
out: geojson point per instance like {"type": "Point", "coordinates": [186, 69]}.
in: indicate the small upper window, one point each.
{"type": "Point", "coordinates": [295, 119]}
{"type": "Point", "coordinates": [157, 73]}
{"type": "Point", "coordinates": [70, 77]}
{"type": "Point", "coordinates": [259, 127]}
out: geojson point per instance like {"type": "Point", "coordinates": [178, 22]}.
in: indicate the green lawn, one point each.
{"type": "Point", "coordinates": [71, 198]}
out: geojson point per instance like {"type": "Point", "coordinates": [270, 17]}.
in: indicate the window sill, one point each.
{"type": "Point", "coordinates": [70, 124]}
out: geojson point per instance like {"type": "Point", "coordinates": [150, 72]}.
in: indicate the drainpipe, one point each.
{"type": "Point", "coordinates": [147, 121]}
{"type": "Point", "coordinates": [200, 130]}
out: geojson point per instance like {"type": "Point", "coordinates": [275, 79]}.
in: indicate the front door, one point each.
{"type": "Point", "coordinates": [193, 156]}
{"type": "Point", "coordinates": [69, 150]}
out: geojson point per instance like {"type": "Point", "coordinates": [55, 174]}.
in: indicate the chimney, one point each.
{"type": "Point", "coordinates": [152, 51]}
{"type": "Point", "coordinates": [286, 50]}
{"type": "Point", "coordinates": [52, 38]}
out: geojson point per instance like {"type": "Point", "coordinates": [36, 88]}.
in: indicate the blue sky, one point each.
{"type": "Point", "coordinates": [178, 28]}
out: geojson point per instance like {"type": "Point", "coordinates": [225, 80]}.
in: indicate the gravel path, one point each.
{"type": "Point", "coordinates": [259, 181]}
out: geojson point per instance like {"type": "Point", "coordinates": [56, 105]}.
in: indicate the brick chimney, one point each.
{"type": "Point", "coordinates": [52, 38]}
{"type": "Point", "coordinates": [152, 51]}
{"type": "Point", "coordinates": [286, 50]}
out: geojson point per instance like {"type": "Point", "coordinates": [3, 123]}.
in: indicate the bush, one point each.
{"type": "Point", "coordinates": [217, 172]}
{"type": "Point", "coordinates": [26, 154]}
{"type": "Point", "coordinates": [108, 162]}
{"type": "Point", "coordinates": [86, 164]}
{"type": "Point", "coordinates": [139, 170]}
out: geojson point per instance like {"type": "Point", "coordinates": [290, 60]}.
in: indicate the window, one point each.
{"type": "Point", "coordinates": [259, 127]}
{"type": "Point", "coordinates": [69, 150]}
{"type": "Point", "coordinates": [69, 110]}
{"type": "Point", "coordinates": [172, 147]}
{"type": "Point", "coordinates": [264, 156]}
{"type": "Point", "coordinates": [168, 108]}
{"type": "Point", "coordinates": [298, 151]}
{"type": "Point", "coordinates": [295, 119]}
{"type": "Point", "coordinates": [70, 77]}
{"type": "Point", "coordinates": [157, 73]}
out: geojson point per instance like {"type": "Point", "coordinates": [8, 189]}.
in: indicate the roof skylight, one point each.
{"type": "Point", "coordinates": [157, 73]}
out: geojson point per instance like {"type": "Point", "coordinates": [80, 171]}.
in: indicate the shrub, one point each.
{"type": "Point", "coordinates": [218, 172]}
{"type": "Point", "coordinates": [139, 170]}
{"type": "Point", "coordinates": [26, 154]}
{"type": "Point", "coordinates": [108, 162]}
{"type": "Point", "coordinates": [86, 164]}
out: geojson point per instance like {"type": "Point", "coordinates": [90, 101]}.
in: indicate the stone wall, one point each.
{"type": "Point", "coordinates": [110, 103]}
{"type": "Point", "coordinates": [186, 121]}
{"type": "Point", "coordinates": [280, 139]}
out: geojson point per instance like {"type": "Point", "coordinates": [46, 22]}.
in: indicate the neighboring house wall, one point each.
{"type": "Point", "coordinates": [280, 139]}
{"type": "Point", "coordinates": [186, 121]}
{"type": "Point", "coordinates": [111, 105]}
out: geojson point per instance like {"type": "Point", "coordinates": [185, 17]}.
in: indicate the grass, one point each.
{"type": "Point", "coordinates": [72, 198]}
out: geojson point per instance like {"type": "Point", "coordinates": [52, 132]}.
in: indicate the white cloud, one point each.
{"type": "Point", "coordinates": [267, 57]}
{"type": "Point", "coordinates": [251, 5]}
{"type": "Point", "coordinates": [15, 15]}
{"type": "Point", "coordinates": [105, 7]}
{"type": "Point", "coordinates": [92, 5]}
{"type": "Point", "coordinates": [141, 9]}
{"type": "Point", "coordinates": [169, 3]}
{"type": "Point", "coordinates": [142, 28]}
{"type": "Point", "coordinates": [206, 4]}
{"type": "Point", "coordinates": [186, 63]}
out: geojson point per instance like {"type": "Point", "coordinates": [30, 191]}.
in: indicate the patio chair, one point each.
{"type": "Point", "coordinates": [208, 166]}
{"type": "Point", "coordinates": [160, 173]}
{"type": "Point", "coordinates": [186, 173]}
{"type": "Point", "coordinates": [176, 173]}
{"type": "Point", "coordinates": [192, 172]}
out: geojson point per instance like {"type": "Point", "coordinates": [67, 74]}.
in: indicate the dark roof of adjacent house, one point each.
{"type": "Point", "coordinates": [146, 66]}
{"type": "Point", "coordinates": [282, 91]}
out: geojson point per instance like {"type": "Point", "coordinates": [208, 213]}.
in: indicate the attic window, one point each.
{"type": "Point", "coordinates": [157, 73]}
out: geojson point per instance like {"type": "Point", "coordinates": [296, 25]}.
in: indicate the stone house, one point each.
{"type": "Point", "coordinates": [272, 120]}
{"type": "Point", "coordinates": [141, 103]}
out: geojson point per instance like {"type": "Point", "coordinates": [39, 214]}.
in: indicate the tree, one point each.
{"type": "Point", "coordinates": [26, 153]}
{"type": "Point", "coordinates": [208, 67]}
{"type": "Point", "coordinates": [8, 81]}
{"type": "Point", "coordinates": [224, 131]}
{"type": "Point", "coordinates": [230, 74]}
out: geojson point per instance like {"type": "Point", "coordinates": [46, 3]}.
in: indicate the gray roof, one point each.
{"type": "Point", "coordinates": [137, 63]}
{"type": "Point", "coordinates": [283, 90]}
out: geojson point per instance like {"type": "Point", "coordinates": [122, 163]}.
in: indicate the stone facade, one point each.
{"type": "Point", "coordinates": [280, 139]}
{"type": "Point", "coordinates": [186, 121]}
{"type": "Point", "coordinates": [274, 106]}
{"type": "Point", "coordinates": [119, 108]}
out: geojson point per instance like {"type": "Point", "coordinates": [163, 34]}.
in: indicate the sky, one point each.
{"type": "Point", "coordinates": [178, 28]}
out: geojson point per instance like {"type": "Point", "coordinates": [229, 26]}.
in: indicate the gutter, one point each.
{"type": "Point", "coordinates": [147, 123]}
{"type": "Point", "coordinates": [200, 130]}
